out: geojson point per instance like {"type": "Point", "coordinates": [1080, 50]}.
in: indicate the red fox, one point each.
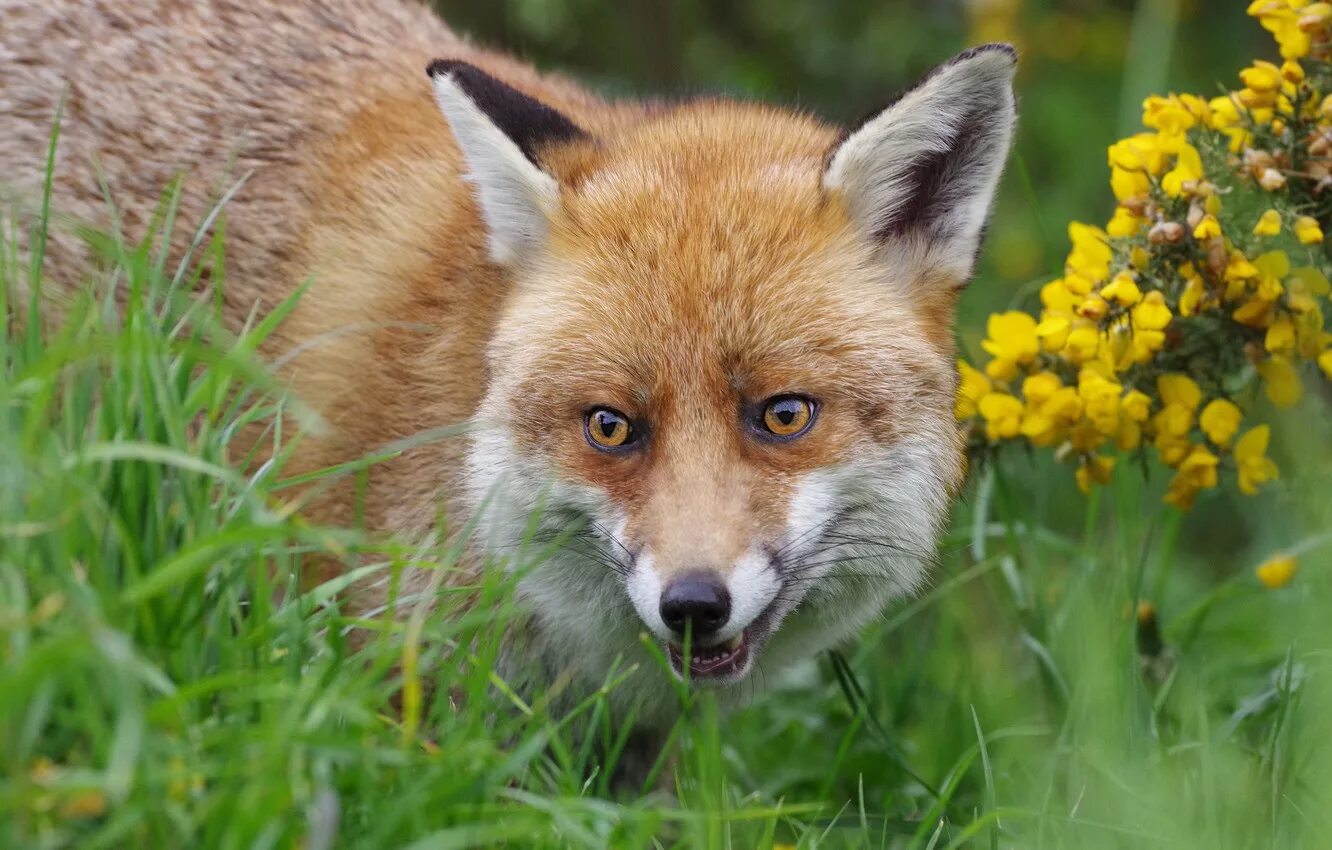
{"type": "Point", "coordinates": [714, 337]}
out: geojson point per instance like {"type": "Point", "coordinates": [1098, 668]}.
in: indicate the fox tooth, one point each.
{"type": "Point", "coordinates": [734, 643]}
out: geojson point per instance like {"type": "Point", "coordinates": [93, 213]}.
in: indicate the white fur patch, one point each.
{"type": "Point", "coordinates": [752, 585]}
{"type": "Point", "coordinates": [644, 588]}
{"type": "Point", "coordinates": [516, 197]}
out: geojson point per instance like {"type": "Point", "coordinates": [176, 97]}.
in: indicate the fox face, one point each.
{"type": "Point", "coordinates": [723, 379]}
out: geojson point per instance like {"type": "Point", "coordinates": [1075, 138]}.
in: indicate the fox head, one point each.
{"type": "Point", "coordinates": [724, 373]}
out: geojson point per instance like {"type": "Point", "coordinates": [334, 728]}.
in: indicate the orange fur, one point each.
{"type": "Point", "coordinates": [695, 266]}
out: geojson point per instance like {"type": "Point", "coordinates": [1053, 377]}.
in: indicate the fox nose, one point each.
{"type": "Point", "coordinates": [697, 600]}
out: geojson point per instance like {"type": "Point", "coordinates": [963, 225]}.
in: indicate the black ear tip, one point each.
{"type": "Point", "coordinates": [439, 67]}
{"type": "Point", "coordinates": [995, 47]}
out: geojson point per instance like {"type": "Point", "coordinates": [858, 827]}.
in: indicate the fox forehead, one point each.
{"type": "Point", "coordinates": [700, 250]}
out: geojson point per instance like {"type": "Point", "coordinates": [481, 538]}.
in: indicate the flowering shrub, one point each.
{"type": "Point", "coordinates": [1213, 271]}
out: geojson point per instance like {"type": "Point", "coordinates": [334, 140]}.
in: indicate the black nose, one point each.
{"type": "Point", "coordinates": [700, 600]}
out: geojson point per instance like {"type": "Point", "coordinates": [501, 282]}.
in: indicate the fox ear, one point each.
{"type": "Point", "coordinates": [500, 130]}
{"type": "Point", "coordinates": [918, 177]}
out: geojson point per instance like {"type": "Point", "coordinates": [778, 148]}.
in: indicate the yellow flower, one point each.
{"type": "Point", "coordinates": [1050, 410]}
{"type": "Point", "coordinates": [1277, 571]}
{"type": "Point", "coordinates": [1262, 77]}
{"type": "Point", "coordinates": [1100, 398]}
{"type": "Point", "coordinates": [1151, 314]}
{"type": "Point", "coordinates": [1124, 223]}
{"type": "Point", "coordinates": [970, 390]}
{"type": "Point", "coordinates": [1139, 152]}
{"type": "Point", "coordinates": [1057, 298]}
{"type": "Point", "coordinates": [1002, 414]}
{"type": "Point", "coordinates": [1269, 224]}
{"type": "Point", "coordinates": [1093, 307]}
{"type": "Point", "coordinates": [1146, 343]}
{"type": "Point", "coordinates": [1122, 289]}
{"type": "Point", "coordinates": [1239, 268]}
{"type": "Point", "coordinates": [1254, 466]}
{"type": "Point", "coordinates": [1255, 314]}
{"type": "Point", "coordinates": [1040, 386]}
{"type": "Point", "coordinates": [1180, 397]}
{"type": "Point", "coordinates": [1094, 469]}
{"type": "Point", "coordinates": [1129, 435]}
{"type": "Point", "coordinates": [1280, 337]}
{"type": "Point", "coordinates": [1197, 471]}
{"type": "Point", "coordinates": [1281, 381]}
{"type": "Point", "coordinates": [1200, 467]}
{"type": "Point", "coordinates": [1001, 370]}
{"type": "Point", "coordinates": [1325, 363]}
{"type": "Point", "coordinates": [1274, 264]}
{"type": "Point", "coordinates": [1220, 420]}
{"type": "Point", "coordinates": [1053, 333]}
{"type": "Point", "coordinates": [1226, 118]}
{"type": "Point", "coordinates": [1185, 175]}
{"type": "Point", "coordinates": [87, 803]}
{"type": "Point", "coordinates": [1312, 279]}
{"type": "Point", "coordinates": [1091, 254]}
{"type": "Point", "coordinates": [1129, 184]}
{"type": "Point", "coordinates": [1172, 450]}
{"type": "Point", "coordinates": [1082, 345]}
{"type": "Point", "coordinates": [1168, 114]}
{"type": "Point", "coordinates": [1137, 405]}
{"type": "Point", "coordinates": [1191, 300]}
{"type": "Point", "coordinates": [1011, 337]}
{"type": "Point", "coordinates": [1307, 230]}
{"type": "Point", "coordinates": [1269, 288]}
{"type": "Point", "coordinates": [1208, 228]}
{"type": "Point", "coordinates": [1283, 22]}
{"type": "Point", "coordinates": [1308, 326]}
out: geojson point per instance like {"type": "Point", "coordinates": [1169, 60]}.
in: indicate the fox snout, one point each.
{"type": "Point", "coordinates": [697, 604]}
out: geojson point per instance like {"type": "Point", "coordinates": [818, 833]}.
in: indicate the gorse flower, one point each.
{"type": "Point", "coordinates": [1277, 571]}
{"type": "Point", "coordinates": [1211, 277]}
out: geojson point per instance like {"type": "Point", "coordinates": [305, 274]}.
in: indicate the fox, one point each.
{"type": "Point", "coordinates": [711, 340]}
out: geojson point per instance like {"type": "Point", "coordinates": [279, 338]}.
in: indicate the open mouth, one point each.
{"type": "Point", "coordinates": [721, 661]}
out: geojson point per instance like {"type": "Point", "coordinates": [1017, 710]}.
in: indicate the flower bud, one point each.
{"type": "Point", "coordinates": [1196, 213]}
{"type": "Point", "coordinates": [1093, 307]}
{"type": "Point", "coordinates": [1137, 206]}
{"type": "Point", "coordinates": [1217, 256]}
{"type": "Point", "coordinates": [1257, 160]}
{"type": "Point", "coordinates": [1314, 17]}
{"type": "Point", "coordinates": [1272, 180]}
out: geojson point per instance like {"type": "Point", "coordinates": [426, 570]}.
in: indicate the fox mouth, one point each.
{"type": "Point", "coordinates": [717, 663]}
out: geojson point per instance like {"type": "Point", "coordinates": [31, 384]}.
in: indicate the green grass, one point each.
{"type": "Point", "coordinates": [166, 682]}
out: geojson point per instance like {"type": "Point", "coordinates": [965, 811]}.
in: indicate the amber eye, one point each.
{"type": "Point", "coordinates": [787, 415]}
{"type": "Point", "coordinates": [608, 429]}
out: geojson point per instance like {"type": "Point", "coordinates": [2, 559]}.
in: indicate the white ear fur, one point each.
{"type": "Point", "coordinates": [516, 197]}
{"type": "Point", "coordinates": [919, 177]}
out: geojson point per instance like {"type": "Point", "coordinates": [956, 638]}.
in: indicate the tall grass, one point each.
{"type": "Point", "coordinates": [166, 680]}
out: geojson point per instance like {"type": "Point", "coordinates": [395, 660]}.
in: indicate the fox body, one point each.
{"type": "Point", "coordinates": [711, 340]}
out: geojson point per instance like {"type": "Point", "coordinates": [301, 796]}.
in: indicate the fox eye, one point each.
{"type": "Point", "coordinates": [608, 429]}
{"type": "Point", "coordinates": [787, 416]}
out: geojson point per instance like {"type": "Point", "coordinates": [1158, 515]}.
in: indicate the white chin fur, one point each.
{"type": "Point", "coordinates": [588, 615]}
